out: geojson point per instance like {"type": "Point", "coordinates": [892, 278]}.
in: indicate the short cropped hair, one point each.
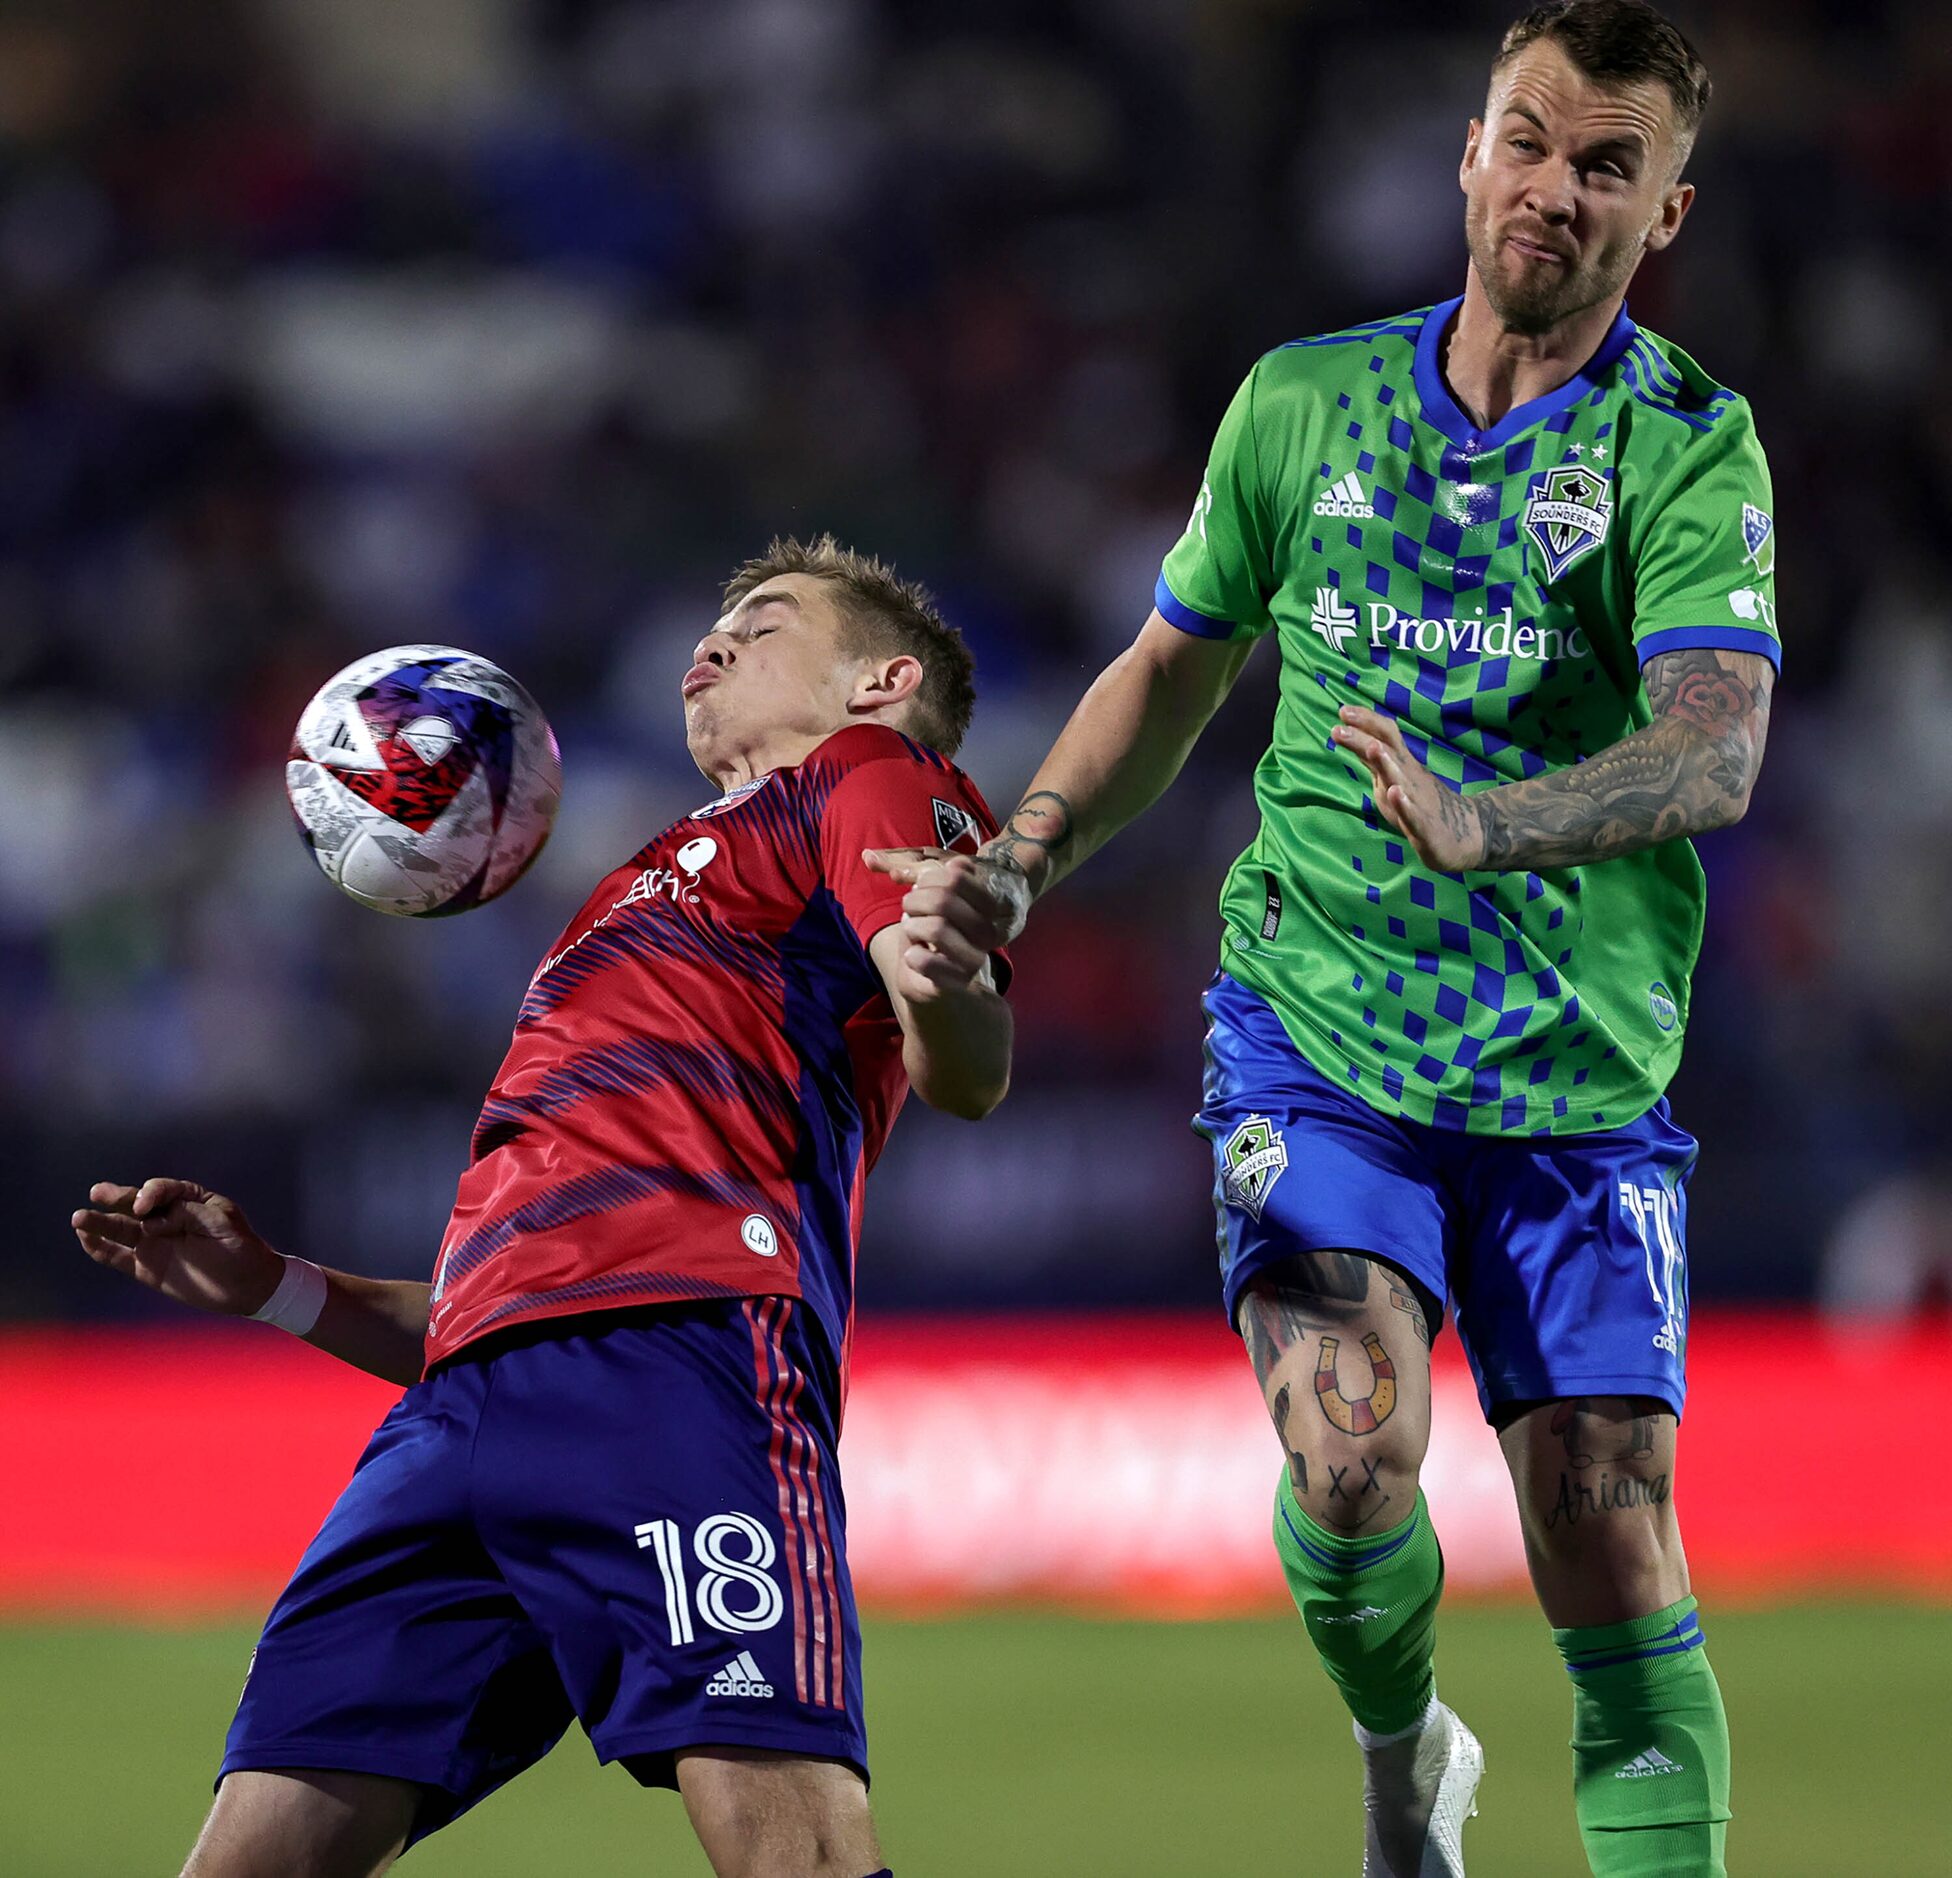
{"type": "Point", "coordinates": [884, 616]}
{"type": "Point", "coordinates": [1620, 42]}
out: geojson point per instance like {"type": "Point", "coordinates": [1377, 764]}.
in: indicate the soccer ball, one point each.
{"type": "Point", "coordinates": [424, 780]}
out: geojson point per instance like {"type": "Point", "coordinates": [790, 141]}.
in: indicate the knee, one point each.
{"type": "Point", "coordinates": [1354, 1486]}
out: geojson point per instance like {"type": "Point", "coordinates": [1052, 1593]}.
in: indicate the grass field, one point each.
{"type": "Point", "coordinates": [1043, 1746]}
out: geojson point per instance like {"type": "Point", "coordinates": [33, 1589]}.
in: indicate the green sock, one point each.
{"type": "Point", "coordinates": [1370, 1605]}
{"type": "Point", "coordinates": [1649, 1747]}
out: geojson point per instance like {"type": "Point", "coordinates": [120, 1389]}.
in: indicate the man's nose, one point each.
{"type": "Point", "coordinates": [712, 650]}
{"type": "Point", "coordinates": [1552, 197]}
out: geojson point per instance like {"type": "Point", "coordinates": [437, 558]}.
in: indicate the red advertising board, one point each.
{"type": "Point", "coordinates": [1119, 1464]}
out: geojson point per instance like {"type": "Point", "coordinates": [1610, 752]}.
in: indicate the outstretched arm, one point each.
{"type": "Point", "coordinates": [1125, 743]}
{"type": "Point", "coordinates": [197, 1247]}
{"type": "Point", "coordinates": [1690, 770]}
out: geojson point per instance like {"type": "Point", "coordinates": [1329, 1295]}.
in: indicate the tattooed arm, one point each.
{"type": "Point", "coordinates": [1690, 770]}
{"type": "Point", "coordinates": [1125, 743]}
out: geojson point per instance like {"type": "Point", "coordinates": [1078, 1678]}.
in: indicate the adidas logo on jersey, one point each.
{"type": "Point", "coordinates": [1346, 499]}
{"type": "Point", "coordinates": [741, 1676]}
{"type": "Point", "coordinates": [1651, 1761]}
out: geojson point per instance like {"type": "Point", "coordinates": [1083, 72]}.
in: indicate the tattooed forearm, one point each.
{"type": "Point", "coordinates": [1690, 770]}
{"type": "Point", "coordinates": [1038, 830]}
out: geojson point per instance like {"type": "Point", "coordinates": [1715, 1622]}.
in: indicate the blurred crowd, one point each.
{"type": "Point", "coordinates": [331, 324]}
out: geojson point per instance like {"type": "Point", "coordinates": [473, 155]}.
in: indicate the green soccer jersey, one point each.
{"type": "Point", "coordinates": [1496, 591]}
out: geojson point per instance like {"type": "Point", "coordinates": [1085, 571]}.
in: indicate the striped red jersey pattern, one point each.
{"type": "Point", "coordinates": [706, 1064]}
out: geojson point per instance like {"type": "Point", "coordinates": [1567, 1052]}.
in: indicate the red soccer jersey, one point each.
{"type": "Point", "coordinates": [706, 1064]}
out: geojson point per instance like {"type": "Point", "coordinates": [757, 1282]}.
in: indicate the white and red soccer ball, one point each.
{"type": "Point", "coordinates": [424, 780]}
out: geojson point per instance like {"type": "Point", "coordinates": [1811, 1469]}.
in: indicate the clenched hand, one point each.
{"type": "Point", "coordinates": [959, 908]}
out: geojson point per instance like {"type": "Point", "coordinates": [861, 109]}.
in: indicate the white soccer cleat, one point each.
{"type": "Point", "coordinates": [1418, 1789]}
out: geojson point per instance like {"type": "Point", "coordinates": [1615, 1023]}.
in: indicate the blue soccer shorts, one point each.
{"type": "Point", "coordinates": [1562, 1258]}
{"type": "Point", "coordinates": [633, 1519]}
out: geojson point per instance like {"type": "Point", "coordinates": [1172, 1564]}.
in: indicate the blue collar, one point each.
{"type": "Point", "coordinates": [1441, 408]}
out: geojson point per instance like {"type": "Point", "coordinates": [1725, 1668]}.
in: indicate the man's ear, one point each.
{"type": "Point", "coordinates": [881, 684]}
{"type": "Point", "coordinates": [1666, 225]}
{"type": "Point", "coordinates": [1473, 132]}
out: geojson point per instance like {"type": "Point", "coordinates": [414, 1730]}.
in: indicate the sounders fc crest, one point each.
{"type": "Point", "coordinates": [1253, 1159]}
{"type": "Point", "coordinates": [1566, 515]}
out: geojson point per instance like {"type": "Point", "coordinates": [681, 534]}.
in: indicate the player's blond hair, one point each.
{"type": "Point", "coordinates": [884, 616]}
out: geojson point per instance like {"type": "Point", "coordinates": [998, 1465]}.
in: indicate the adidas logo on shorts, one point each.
{"type": "Point", "coordinates": [741, 1676]}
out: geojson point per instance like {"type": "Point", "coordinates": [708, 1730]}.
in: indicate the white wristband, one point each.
{"type": "Point", "coordinates": [300, 1297]}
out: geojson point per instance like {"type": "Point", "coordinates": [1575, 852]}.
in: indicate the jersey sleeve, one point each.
{"type": "Point", "coordinates": [1217, 579]}
{"type": "Point", "coordinates": [897, 803]}
{"type": "Point", "coordinates": [1705, 561]}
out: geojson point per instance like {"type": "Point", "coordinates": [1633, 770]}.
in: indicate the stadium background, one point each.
{"type": "Point", "coordinates": [327, 324]}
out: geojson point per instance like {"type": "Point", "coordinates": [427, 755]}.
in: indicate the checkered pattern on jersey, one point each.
{"type": "Point", "coordinates": [1448, 543]}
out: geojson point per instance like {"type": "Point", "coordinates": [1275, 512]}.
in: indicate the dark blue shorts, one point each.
{"type": "Point", "coordinates": [1563, 1258]}
{"type": "Point", "coordinates": [634, 1519]}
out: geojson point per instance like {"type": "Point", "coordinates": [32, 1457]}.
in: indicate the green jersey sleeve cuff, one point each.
{"type": "Point", "coordinates": [1189, 619]}
{"type": "Point", "coordinates": [1711, 638]}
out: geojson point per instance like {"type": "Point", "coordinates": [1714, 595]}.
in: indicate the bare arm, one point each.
{"type": "Point", "coordinates": [197, 1247]}
{"type": "Point", "coordinates": [1126, 741]}
{"type": "Point", "coordinates": [1692, 769]}
{"type": "Point", "coordinates": [957, 1032]}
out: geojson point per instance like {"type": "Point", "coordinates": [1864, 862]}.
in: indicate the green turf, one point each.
{"type": "Point", "coordinates": [1039, 1746]}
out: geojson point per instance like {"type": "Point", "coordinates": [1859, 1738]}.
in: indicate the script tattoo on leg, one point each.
{"type": "Point", "coordinates": [1593, 1440]}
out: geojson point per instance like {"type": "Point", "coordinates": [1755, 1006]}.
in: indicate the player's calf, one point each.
{"type": "Point", "coordinates": [762, 1815]}
{"type": "Point", "coordinates": [1650, 1740]}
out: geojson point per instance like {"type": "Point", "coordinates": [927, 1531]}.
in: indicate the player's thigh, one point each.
{"type": "Point", "coordinates": [766, 1815]}
{"type": "Point", "coordinates": [1571, 1277]}
{"type": "Point", "coordinates": [304, 1823]}
{"type": "Point", "coordinates": [1594, 1476]}
{"type": "Point", "coordinates": [1340, 1344]}
{"type": "Point", "coordinates": [662, 1492]}
{"type": "Point", "coordinates": [398, 1650]}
